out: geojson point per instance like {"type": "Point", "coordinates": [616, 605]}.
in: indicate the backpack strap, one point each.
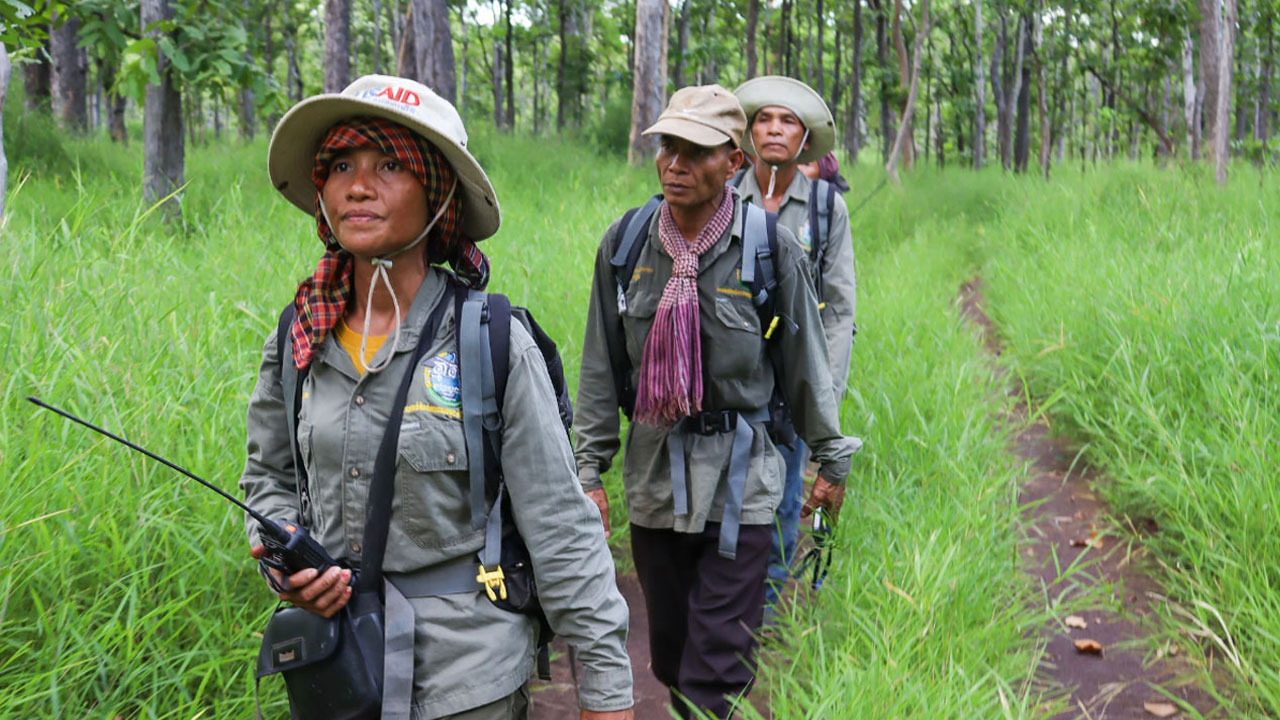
{"type": "Point", "coordinates": [821, 198]}
{"type": "Point", "coordinates": [291, 381]}
{"type": "Point", "coordinates": [739, 176]}
{"type": "Point", "coordinates": [626, 253]}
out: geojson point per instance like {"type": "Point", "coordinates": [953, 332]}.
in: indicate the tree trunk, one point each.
{"type": "Point", "coordinates": [499, 120]}
{"type": "Point", "coordinates": [899, 46]}
{"type": "Point", "coordinates": [822, 21]}
{"type": "Point", "coordinates": [68, 77]}
{"type": "Point", "coordinates": [905, 124]}
{"type": "Point", "coordinates": [247, 122]}
{"type": "Point", "coordinates": [1262, 125]}
{"type": "Point", "coordinates": [407, 55]}
{"type": "Point", "coordinates": [37, 81]}
{"type": "Point", "coordinates": [853, 139]}
{"type": "Point", "coordinates": [433, 48]}
{"type": "Point", "coordinates": [1222, 123]}
{"type": "Point", "coordinates": [753, 19]}
{"type": "Point", "coordinates": [980, 104]}
{"type": "Point", "coordinates": [337, 45]}
{"type": "Point", "coordinates": [1042, 105]}
{"type": "Point", "coordinates": [1022, 140]}
{"type": "Point", "coordinates": [115, 105]}
{"type": "Point", "coordinates": [377, 37]}
{"type": "Point", "coordinates": [162, 139]}
{"type": "Point", "coordinates": [1189, 96]}
{"type": "Point", "coordinates": [561, 93]}
{"type": "Point", "coordinates": [682, 45]}
{"type": "Point", "coordinates": [508, 69]}
{"type": "Point", "coordinates": [648, 94]}
{"type": "Point", "coordinates": [5, 67]}
{"type": "Point", "coordinates": [882, 62]}
{"type": "Point", "coordinates": [1210, 69]}
{"type": "Point", "coordinates": [293, 77]}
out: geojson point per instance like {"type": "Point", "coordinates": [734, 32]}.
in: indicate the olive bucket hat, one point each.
{"type": "Point", "coordinates": [297, 137]}
{"type": "Point", "coordinates": [800, 99]}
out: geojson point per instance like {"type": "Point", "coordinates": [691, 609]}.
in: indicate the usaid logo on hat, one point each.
{"type": "Point", "coordinates": [400, 95]}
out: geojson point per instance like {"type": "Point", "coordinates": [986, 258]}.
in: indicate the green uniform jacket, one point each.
{"type": "Point", "coordinates": [468, 652]}
{"type": "Point", "coordinates": [839, 285]}
{"type": "Point", "coordinates": [738, 375]}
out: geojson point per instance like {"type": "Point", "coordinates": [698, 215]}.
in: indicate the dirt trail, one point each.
{"type": "Point", "coordinates": [1066, 519]}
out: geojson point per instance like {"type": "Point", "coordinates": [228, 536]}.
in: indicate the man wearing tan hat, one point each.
{"type": "Point", "coordinates": [699, 304]}
{"type": "Point", "coordinates": [789, 124]}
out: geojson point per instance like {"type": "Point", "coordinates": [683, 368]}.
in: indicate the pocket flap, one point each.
{"type": "Point", "coordinates": [295, 637]}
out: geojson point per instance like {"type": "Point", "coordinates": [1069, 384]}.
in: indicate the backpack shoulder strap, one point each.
{"type": "Point", "coordinates": [739, 176]}
{"type": "Point", "coordinates": [760, 243]}
{"type": "Point", "coordinates": [821, 199]}
{"type": "Point", "coordinates": [291, 381]}
{"type": "Point", "coordinates": [627, 247]}
{"type": "Point", "coordinates": [481, 418]}
{"type": "Point", "coordinates": [626, 253]}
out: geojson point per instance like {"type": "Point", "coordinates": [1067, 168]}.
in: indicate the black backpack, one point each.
{"type": "Point", "coordinates": [822, 197]}
{"type": "Point", "coordinates": [483, 317]}
{"type": "Point", "coordinates": [760, 241]}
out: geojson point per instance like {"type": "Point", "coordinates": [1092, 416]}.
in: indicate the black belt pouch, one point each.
{"type": "Point", "coordinates": [331, 666]}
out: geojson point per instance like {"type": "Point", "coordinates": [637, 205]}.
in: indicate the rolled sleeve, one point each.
{"type": "Point", "coordinates": [562, 530]}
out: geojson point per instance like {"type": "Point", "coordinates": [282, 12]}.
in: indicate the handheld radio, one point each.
{"type": "Point", "coordinates": [289, 547]}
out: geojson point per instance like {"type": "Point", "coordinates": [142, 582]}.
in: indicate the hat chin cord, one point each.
{"type": "Point", "coordinates": [380, 265]}
{"type": "Point", "coordinates": [773, 169]}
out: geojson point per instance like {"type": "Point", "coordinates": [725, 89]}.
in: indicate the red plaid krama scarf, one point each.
{"type": "Point", "coordinates": [670, 385]}
{"type": "Point", "coordinates": [322, 298]}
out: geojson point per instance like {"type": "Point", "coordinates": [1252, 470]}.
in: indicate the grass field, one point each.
{"type": "Point", "coordinates": [127, 592]}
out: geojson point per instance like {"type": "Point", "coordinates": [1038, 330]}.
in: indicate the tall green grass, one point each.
{"type": "Point", "coordinates": [1143, 307]}
{"type": "Point", "coordinates": [126, 591]}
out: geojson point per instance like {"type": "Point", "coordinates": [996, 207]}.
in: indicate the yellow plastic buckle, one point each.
{"type": "Point", "coordinates": [493, 580]}
{"type": "Point", "coordinates": [773, 325]}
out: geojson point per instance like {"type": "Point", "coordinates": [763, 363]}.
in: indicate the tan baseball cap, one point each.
{"type": "Point", "coordinates": [804, 101]}
{"type": "Point", "coordinates": [297, 137]}
{"type": "Point", "coordinates": [707, 115]}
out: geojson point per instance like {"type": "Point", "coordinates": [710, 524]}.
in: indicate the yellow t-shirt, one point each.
{"type": "Point", "coordinates": [350, 341]}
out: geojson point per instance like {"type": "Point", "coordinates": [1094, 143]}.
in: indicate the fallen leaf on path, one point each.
{"type": "Point", "coordinates": [1089, 647]}
{"type": "Point", "coordinates": [1094, 540]}
{"type": "Point", "coordinates": [1160, 709]}
{"type": "Point", "coordinates": [1075, 621]}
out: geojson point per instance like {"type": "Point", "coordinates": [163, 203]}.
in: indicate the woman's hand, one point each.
{"type": "Point", "coordinates": [323, 595]}
{"type": "Point", "coordinates": [627, 714]}
{"type": "Point", "coordinates": [602, 501]}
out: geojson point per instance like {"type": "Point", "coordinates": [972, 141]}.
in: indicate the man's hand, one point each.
{"type": "Point", "coordinates": [323, 595]}
{"type": "Point", "coordinates": [602, 501]}
{"type": "Point", "coordinates": [628, 714]}
{"type": "Point", "coordinates": [824, 495]}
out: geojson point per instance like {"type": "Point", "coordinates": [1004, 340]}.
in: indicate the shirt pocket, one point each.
{"type": "Point", "coordinates": [733, 343]}
{"type": "Point", "coordinates": [432, 502]}
{"type": "Point", "coordinates": [637, 318]}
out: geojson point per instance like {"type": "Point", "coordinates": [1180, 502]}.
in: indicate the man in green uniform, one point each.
{"type": "Point", "coordinates": [677, 340]}
{"type": "Point", "coordinates": [788, 125]}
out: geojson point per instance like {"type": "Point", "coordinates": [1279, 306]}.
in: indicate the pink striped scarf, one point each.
{"type": "Point", "coordinates": [670, 385]}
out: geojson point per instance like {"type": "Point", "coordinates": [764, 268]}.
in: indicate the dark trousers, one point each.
{"type": "Point", "coordinates": [703, 611]}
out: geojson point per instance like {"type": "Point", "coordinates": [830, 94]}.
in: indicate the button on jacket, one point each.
{"type": "Point", "coordinates": [468, 652]}
{"type": "Point", "coordinates": [737, 375]}
{"type": "Point", "coordinates": [839, 285]}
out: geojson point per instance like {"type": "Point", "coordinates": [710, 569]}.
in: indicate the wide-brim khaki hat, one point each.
{"type": "Point", "coordinates": [706, 115]}
{"type": "Point", "coordinates": [292, 153]}
{"type": "Point", "coordinates": [800, 99]}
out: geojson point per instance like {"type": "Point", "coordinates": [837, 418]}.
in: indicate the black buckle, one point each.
{"type": "Point", "coordinates": [712, 422]}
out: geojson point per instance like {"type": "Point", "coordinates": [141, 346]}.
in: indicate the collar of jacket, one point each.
{"type": "Point", "coordinates": [798, 190]}
{"type": "Point", "coordinates": [715, 251]}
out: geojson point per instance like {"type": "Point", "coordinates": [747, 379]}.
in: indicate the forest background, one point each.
{"type": "Point", "coordinates": [1070, 153]}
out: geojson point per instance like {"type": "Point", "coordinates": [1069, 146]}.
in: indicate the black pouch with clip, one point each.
{"type": "Point", "coordinates": [332, 667]}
